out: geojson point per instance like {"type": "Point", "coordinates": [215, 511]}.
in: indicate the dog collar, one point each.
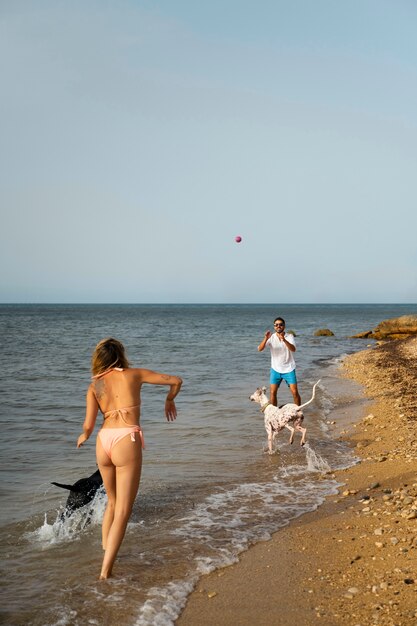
{"type": "Point", "coordinates": [264, 407]}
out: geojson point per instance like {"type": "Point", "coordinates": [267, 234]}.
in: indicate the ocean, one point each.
{"type": "Point", "coordinates": [208, 490]}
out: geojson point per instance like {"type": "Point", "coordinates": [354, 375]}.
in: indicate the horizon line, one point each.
{"type": "Point", "coordinates": [200, 303]}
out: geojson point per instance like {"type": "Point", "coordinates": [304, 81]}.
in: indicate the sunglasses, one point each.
{"type": "Point", "coordinates": [281, 325]}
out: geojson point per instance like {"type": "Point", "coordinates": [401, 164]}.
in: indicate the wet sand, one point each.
{"type": "Point", "coordinates": [354, 560]}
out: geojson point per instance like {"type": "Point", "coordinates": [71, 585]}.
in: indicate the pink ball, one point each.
{"type": "Point", "coordinates": [238, 239]}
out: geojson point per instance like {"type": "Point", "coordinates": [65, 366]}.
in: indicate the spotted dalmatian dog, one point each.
{"type": "Point", "coordinates": [288, 416]}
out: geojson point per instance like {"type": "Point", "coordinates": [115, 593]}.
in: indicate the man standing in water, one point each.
{"type": "Point", "coordinates": [282, 346]}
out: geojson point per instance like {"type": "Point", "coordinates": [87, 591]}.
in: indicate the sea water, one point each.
{"type": "Point", "coordinates": [208, 491]}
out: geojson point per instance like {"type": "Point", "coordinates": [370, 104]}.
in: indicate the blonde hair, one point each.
{"type": "Point", "coordinates": [108, 353]}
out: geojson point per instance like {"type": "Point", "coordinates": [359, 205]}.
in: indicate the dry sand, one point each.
{"type": "Point", "coordinates": [354, 560]}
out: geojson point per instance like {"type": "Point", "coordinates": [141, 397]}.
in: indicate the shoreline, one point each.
{"type": "Point", "coordinates": [352, 561]}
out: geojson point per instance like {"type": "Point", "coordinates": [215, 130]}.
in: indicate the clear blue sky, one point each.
{"type": "Point", "coordinates": [139, 137]}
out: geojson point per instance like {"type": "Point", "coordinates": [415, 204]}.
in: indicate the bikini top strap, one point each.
{"type": "Point", "coordinates": [112, 369]}
{"type": "Point", "coordinates": [120, 413]}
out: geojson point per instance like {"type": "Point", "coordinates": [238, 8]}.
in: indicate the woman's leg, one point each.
{"type": "Point", "coordinates": [127, 458]}
{"type": "Point", "coordinates": [108, 474]}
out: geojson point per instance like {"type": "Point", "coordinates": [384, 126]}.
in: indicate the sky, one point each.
{"type": "Point", "coordinates": [138, 138]}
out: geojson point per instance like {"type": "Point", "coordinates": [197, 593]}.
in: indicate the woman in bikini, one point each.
{"type": "Point", "coordinates": [115, 391]}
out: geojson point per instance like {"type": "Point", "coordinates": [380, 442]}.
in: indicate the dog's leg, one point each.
{"type": "Point", "coordinates": [270, 433]}
{"type": "Point", "coordinates": [292, 432]}
{"type": "Point", "coordinates": [304, 431]}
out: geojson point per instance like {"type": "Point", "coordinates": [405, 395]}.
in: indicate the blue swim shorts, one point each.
{"type": "Point", "coordinates": [289, 377]}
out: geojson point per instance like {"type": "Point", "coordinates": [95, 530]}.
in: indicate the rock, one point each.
{"type": "Point", "coordinates": [353, 590]}
{"type": "Point", "coordinates": [412, 515]}
{"type": "Point", "coordinates": [378, 531]}
{"type": "Point", "coordinates": [324, 332]}
{"type": "Point", "coordinates": [395, 328]}
{"type": "Point", "coordinates": [211, 594]}
{"type": "Point", "coordinates": [366, 335]}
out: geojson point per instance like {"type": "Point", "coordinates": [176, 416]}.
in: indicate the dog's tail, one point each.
{"type": "Point", "coordinates": [69, 487]}
{"type": "Point", "coordinates": [312, 397]}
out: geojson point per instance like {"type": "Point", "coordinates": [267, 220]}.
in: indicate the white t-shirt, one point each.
{"type": "Point", "coordinates": [282, 359]}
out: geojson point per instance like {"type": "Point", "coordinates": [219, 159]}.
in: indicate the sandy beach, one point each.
{"type": "Point", "coordinates": [354, 560]}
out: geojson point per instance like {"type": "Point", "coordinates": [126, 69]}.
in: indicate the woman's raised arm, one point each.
{"type": "Point", "coordinates": [174, 382]}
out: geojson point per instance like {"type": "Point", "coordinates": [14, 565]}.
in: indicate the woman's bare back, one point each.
{"type": "Point", "coordinates": [116, 390]}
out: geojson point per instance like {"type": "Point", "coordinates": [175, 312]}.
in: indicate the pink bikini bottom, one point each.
{"type": "Point", "coordinates": [110, 436]}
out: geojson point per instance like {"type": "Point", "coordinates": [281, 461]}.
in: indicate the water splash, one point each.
{"type": "Point", "coordinates": [65, 529]}
{"type": "Point", "coordinates": [315, 462]}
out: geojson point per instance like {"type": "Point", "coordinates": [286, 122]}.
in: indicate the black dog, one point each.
{"type": "Point", "coordinates": [82, 492]}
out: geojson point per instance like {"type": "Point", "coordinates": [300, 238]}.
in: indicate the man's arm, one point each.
{"type": "Point", "coordinates": [291, 346]}
{"type": "Point", "coordinates": [264, 340]}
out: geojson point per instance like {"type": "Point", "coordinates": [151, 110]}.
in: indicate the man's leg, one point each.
{"type": "Point", "coordinates": [294, 390]}
{"type": "Point", "coordinates": [274, 382]}
{"type": "Point", "coordinates": [273, 393]}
